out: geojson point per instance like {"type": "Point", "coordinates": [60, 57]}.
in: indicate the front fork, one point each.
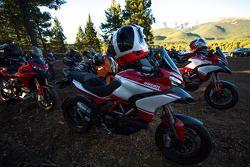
{"type": "Point", "coordinates": [217, 83]}
{"type": "Point", "coordinates": [40, 88]}
{"type": "Point", "coordinates": [175, 124]}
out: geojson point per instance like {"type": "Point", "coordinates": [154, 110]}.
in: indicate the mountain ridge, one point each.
{"type": "Point", "coordinates": [229, 28]}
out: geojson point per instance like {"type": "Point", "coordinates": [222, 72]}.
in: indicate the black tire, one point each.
{"type": "Point", "coordinates": [212, 98]}
{"type": "Point", "coordinates": [73, 118]}
{"type": "Point", "coordinates": [2, 99]}
{"type": "Point", "coordinates": [50, 101]}
{"type": "Point", "coordinates": [202, 150]}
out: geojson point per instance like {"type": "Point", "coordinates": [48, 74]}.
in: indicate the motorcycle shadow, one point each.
{"type": "Point", "coordinates": [13, 106]}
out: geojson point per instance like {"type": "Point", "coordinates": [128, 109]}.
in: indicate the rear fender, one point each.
{"type": "Point", "coordinates": [226, 82]}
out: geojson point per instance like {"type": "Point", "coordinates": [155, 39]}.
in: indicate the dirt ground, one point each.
{"type": "Point", "coordinates": [31, 137]}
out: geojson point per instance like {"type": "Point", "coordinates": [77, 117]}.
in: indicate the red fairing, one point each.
{"type": "Point", "coordinates": [214, 59]}
{"type": "Point", "coordinates": [131, 57]}
{"type": "Point", "coordinates": [100, 100]}
{"type": "Point", "coordinates": [185, 70]}
{"type": "Point", "coordinates": [189, 55]}
{"type": "Point", "coordinates": [160, 83]}
{"type": "Point", "coordinates": [25, 71]}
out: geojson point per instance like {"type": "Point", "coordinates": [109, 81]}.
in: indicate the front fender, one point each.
{"type": "Point", "coordinates": [188, 120]}
{"type": "Point", "coordinates": [226, 82]}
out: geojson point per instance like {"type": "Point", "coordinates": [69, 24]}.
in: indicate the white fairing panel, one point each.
{"type": "Point", "coordinates": [206, 69]}
{"type": "Point", "coordinates": [151, 103]}
{"type": "Point", "coordinates": [129, 88]}
{"type": "Point", "coordinates": [196, 62]}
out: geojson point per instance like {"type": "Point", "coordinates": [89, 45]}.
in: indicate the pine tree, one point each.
{"type": "Point", "coordinates": [11, 28]}
{"type": "Point", "coordinates": [43, 24]}
{"type": "Point", "coordinates": [113, 20]}
{"type": "Point", "coordinates": [139, 12]}
{"type": "Point", "coordinates": [23, 15]}
{"type": "Point", "coordinates": [91, 40]}
{"type": "Point", "coordinates": [57, 40]}
{"type": "Point", "coordinates": [80, 40]}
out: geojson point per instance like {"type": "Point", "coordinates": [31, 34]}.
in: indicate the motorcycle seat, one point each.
{"type": "Point", "coordinates": [94, 84]}
{"type": "Point", "coordinates": [182, 64]}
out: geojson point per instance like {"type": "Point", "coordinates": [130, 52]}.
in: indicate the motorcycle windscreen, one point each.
{"type": "Point", "coordinates": [36, 58]}
{"type": "Point", "coordinates": [168, 62]}
{"type": "Point", "coordinates": [221, 55]}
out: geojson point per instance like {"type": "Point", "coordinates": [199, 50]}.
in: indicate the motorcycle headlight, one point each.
{"type": "Point", "coordinates": [175, 81]}
{"type": "Point", "coordinates": [38, 68]}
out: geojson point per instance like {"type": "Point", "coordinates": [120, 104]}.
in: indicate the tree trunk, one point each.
{"type": "Point", "coordinates": [62, 45]}
{"type": "Point", "coordinates": [17, 32]}
{"type": "Point", "coordinates": [41, 38]}
{"type": "Point", "coordinates": [26, 21]}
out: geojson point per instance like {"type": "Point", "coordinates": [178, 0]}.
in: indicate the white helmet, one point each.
{"type": "Point", "coordinates": [127, 44]}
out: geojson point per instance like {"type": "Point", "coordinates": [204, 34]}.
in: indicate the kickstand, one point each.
{"type": "Point", "coordinates": [106, 128]}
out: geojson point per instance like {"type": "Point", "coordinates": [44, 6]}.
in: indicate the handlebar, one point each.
{"type": "Point", "coordinates": [147, 69]}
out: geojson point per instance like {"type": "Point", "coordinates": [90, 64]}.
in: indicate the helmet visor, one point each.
{"type": "Point", "coordinates": [125, 38]}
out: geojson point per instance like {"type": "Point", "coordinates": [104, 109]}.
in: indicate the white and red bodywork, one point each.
{"type": "Point", "coordinates": [201, 64]}
{"type": "Point", "coordinates": [135, 83]}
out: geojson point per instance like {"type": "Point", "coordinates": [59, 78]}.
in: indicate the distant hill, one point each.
{"type": "Point", "coordinates": [223, 29]}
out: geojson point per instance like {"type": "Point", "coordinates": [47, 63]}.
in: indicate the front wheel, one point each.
{"type": "Point", "coordinates": [227, 98]}
{"type": "Point", "coordinates": [48, 102]}
{"type": "Point", "coordinates": [4, 97]}
{"type": "Point", "coordinates": [196, 147]}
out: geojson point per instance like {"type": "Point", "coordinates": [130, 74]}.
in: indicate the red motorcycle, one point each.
{"type": "Point", "coordinates": [199, 67]}
{"type": "Point", "coordinates": [30, 81]}
{"type": "Point", "coordinates": [129, 103]}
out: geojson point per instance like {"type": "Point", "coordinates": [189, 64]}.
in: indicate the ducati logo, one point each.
{"type": "Point", "coordinates": [152, 85]}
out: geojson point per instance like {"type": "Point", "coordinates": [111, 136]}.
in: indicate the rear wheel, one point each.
{"type": "Point", "coordinates": [196, 147]}
{"type": "Point", "coordinates": [76, 112]}
{"type": "Point", "coordinates": [48, 102]}
{"type": "Point", "coordinates": [227, 98]}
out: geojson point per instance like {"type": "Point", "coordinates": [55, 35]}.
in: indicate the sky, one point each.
{"type": "Point", "coordinates": [74, 13]}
